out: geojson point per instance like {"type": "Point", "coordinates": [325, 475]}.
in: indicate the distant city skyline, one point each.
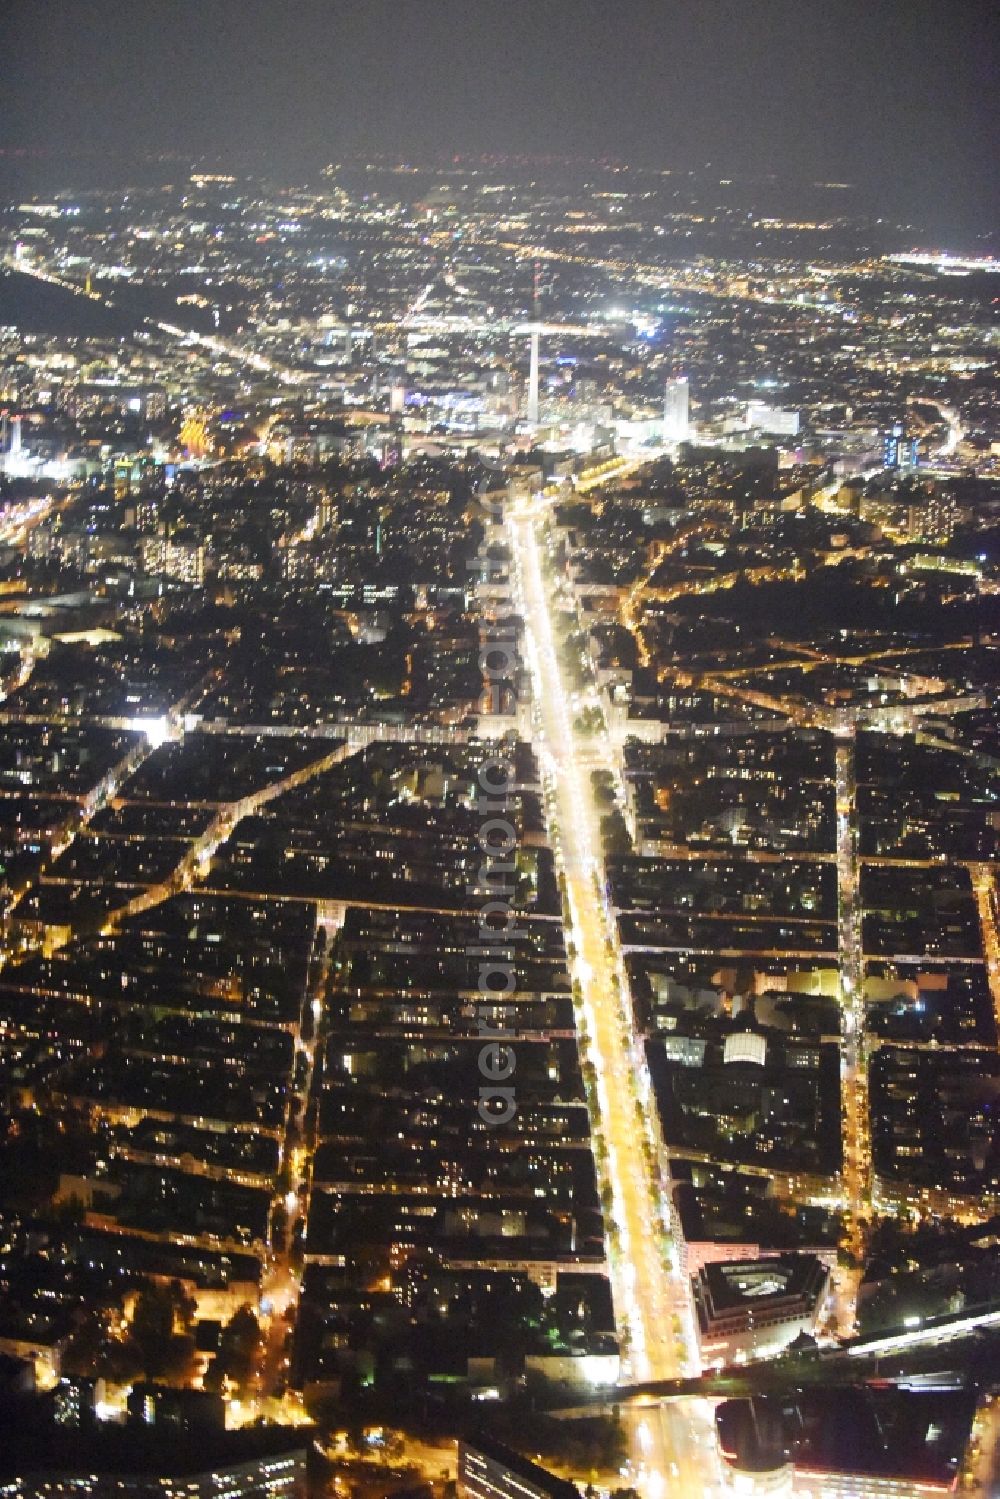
{"type": "Point", "coordinates": [895, 98]}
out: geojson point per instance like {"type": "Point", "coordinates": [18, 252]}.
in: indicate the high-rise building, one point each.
{"type": "Point", "coordinates": [11, 446]}
{"type": "Point", "coordinates": [898, 450]}
{"type": "Point", "coordinates": [890, 447]}
{"type": "Point", "coordinates": [933, 516]}
{"type": "Point", "coordinates": [677, 410]}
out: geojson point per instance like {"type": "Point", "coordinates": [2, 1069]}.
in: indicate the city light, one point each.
{"type": "Point", "coordinates": [498, 757]}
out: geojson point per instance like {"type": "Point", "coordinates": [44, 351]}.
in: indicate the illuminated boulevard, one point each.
{"type": "Point", "coordinates": [672, 1446]}
{"type": "Point", "coordinates": [854, 1063]}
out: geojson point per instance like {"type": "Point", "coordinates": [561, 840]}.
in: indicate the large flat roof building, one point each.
{"type": "Point", "coordinates": [489, 1470]}
{"type": "Point", "coordinates": [753, 1308]}
{"type": "Point", "coordinates": [43, 1461]}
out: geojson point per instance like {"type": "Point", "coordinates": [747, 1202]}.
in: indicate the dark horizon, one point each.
{"type": "Point", "coordinates": [896, 99]}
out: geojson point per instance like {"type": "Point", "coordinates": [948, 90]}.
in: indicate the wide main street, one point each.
{"type": "Point", "coordinates": [672, 1446]}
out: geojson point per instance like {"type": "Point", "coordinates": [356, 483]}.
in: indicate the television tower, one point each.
{"type": "Point", "coordinates": [534, 330]}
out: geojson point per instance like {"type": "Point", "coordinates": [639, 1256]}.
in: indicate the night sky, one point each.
{"type": "Point", "coordinates": [898, 96]}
